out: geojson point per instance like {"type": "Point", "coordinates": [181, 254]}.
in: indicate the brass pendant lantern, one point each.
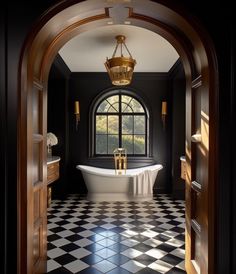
{"type": "Point", "coordinates": [120, 69]}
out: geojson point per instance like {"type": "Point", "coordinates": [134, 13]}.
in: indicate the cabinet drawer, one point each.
{"type": "Point", "coordinates": [53, 167]}
{"type": "Point", "coordinates": [52, 172]}
{"type": "Point", "coordinates": [53, 177]}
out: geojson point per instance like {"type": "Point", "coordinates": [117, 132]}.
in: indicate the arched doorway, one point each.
{"type": "Point", "coordinates": [54, 29]}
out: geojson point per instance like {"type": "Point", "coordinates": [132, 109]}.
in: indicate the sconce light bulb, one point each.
{"type": "Point", "coordinates": [164, 108]}
{"type": "Point", "coordinates": [76, 107]}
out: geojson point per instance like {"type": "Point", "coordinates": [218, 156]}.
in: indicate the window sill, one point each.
{"type": "Point", "coordinates": [133, 162]}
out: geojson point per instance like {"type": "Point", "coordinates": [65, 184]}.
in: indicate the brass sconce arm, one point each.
{"type": "Point", "coordinates": [77, 115]}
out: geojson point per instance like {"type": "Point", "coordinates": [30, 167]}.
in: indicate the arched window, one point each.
{"type": "Point", "coordinates": [120, 120]}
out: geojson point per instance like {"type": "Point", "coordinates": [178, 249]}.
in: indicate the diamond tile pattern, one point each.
{"type": "Point", "coordinates": [116, 237]}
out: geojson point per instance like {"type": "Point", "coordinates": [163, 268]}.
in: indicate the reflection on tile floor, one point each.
{"type": "Point", "coordinates": [116, 237]}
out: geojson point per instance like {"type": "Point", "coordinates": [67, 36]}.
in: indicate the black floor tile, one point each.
{"type": "Point", "coordinates": [119, 270]}
{"type": "Point", "coordinates": [141, 217]}
{"type": "Point", "coordinates": [60, 270]}
{"type": "Point", "coordinates": [89, 270]}
{"type": "Point", "coordinates": [118, 259]}
{"type": "Point", "coordinates": [171, 259]}
{"type": "Point", "coordinates": [65, 259]}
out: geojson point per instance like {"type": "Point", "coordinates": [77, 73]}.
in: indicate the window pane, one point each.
{"type": "Point", "coordinates": [139, 124]}
{"type": "Point", "coordinates": [101, 144]}
{"type": "Point", "coordinates": [111, 104]}
{"type": "Point", "coordinates": [113, 99]}
{"type": "Point", "coordinates": [126, 108]}
{"type": "Point", "coordinates": [127, 124]}
{"type": "Point", "coordinates": [113, 126]}
{"type": "Point", "coordinates": [101, 124]}
{"type": "Point", "coordinates": [126, 99]}
{"type": "Point", "coordinates": [113, 108]}
{"type": "Point", "coordinates": [139, 144]}
{"type": "Point", "coordinates": [103, 107]}
{"type": "Point", "coordinates": [114, 102]}
{"type": "Point", "coordinates": [127, 142]}
{"type": "Point", "coordinates": [113, 142]}
{"type": "Point", "coordinates": [136, 106]}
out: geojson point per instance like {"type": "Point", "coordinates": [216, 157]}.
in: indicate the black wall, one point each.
{"type": "Point", "coordinates": [153, 88]}
{"type": "Point", "coordinates": [17, 20]}
{"type": "Point", "coordinates": [166, 143]}
{"type": "Point", "coordinates": [178, 128]}
{"type": "Point", "coordinates": [58, 120]}
{"type": "Point", "coordinates": [3, 141]}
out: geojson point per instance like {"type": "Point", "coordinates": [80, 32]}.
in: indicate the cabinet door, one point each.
{"type": "Point", "coordinates": [53, 172]}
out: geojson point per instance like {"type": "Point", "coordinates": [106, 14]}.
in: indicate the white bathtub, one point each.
{"type": "Point", "coordinates": [104, 185]}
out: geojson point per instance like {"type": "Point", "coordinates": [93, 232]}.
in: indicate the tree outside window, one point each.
{"type": "Point", "coordinates": [120, 121]}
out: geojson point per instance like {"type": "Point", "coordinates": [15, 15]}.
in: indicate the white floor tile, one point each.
{"type": "Point", "coordinates": [55, 252]}
{"type": "Point", "coordinates": [83, 242]}
{"type": "Point", "coordinates": [156, 253]}
{"type": "Point", "coordinates": [80, 253]}
{"type": "Point", "coordinates": [51, 265]}
{"type": "Point", "coordinates": [105, 253]}
{"type": "Point", "coordinates": [104, 266]}
{"type": "Point", "coordinates": [76, 266]}
{"type": "Point", "coordinates": [133, 266]}
{"type": "Point", "coordinates": [178, 252]}
{"type": "Point", "coordinates": [131, 253]}
{"type": "Point", "coordinates": [160, 266]}
{"type": "Point", "coordinates": [60, 242]}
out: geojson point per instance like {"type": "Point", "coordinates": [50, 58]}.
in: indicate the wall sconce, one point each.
{"type": "Point", "coordinates": [77, 114]}
{"type": "Point", "coordinates": [164, 113]}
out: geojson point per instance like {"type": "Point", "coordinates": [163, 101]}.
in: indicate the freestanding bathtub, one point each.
{"type": "Point", "coordinates": [104, 185]}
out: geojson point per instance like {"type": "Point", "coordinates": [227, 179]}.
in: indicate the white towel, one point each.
{"type": "Point", "coordinates": [143, 183]}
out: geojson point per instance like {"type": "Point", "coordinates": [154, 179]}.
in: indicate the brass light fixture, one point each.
{"type": "Point", "coordinates": [164, 113]}
{"type": "Point", "coordinates": [77, 115]}
{"type": "Point", "coordinates": [120, 69]}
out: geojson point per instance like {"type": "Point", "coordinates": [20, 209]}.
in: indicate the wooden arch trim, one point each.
{"type": "Point", "coordinates": [57, 26]}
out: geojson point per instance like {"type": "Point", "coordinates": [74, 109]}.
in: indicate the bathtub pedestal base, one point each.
{"type": "Point", "coordinates": [117, 197]}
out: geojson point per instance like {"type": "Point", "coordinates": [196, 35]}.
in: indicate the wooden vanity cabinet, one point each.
{"type": "Point", "coordinates": [53, 172]}
{"type": "Point", "coordinates": [52, 175]}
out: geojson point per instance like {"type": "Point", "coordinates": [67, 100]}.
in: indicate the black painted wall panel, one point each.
{"type": "Point", "coordinates": [153, 88]}
{"type": "Point", "coordinates": [178, 130]}
{"type": "Point", "coordinates": [3, 140]}
{"type": "Point", "coordinates": [57, 121]}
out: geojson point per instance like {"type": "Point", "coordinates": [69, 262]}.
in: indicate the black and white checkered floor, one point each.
{"type": "Point", "coordinates": [116, 237]}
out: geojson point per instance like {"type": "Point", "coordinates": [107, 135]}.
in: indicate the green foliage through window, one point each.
{"type": "Point", "coordinates": [120, 121]}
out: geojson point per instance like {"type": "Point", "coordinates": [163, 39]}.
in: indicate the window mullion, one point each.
{"type": "Point", "coordinates": [146, 135]}
{"type": "Point", "coordinates": [107, 133]}
{"type": "Point", "coordinates": [95, 134]}
{"type": "Point", "coordinates": [133, 133]}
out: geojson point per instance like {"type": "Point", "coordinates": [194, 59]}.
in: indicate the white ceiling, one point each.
{"type": "Point", "coordinates": [87, 52]}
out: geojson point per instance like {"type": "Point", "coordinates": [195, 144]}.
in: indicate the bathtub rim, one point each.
{"type": "Point", "coordinates": [81, 168]}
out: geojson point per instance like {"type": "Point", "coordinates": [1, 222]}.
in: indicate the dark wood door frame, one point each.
{"type": "Point", "coordinates": [70, 18]}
